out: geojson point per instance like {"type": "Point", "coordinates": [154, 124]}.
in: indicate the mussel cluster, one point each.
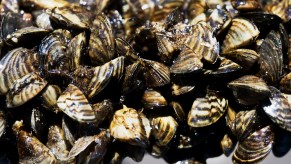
{"type": "Point", "coordinates": [96, 81]}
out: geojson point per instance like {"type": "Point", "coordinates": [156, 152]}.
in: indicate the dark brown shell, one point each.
{"type": "Point", "coordinates": [285, 83]}
{"type": "Point", "coordinates": [249, 89]}
{"type": "Point", "coordinates": [225, 68]}
{"type": "Point", "coordinates": [245, 4]}
{"type": "Point", "coordinates": [76, 50]}
{"type": "Point", "coordinates": [271, 58]}
{"type": "Point", "coordinates": [103, 110]}
{"type": "Point", "coordinates": [30, 149]}
{"type": "Point", "coordinates": [244, 57]}
{"type": "Point", "coordinates": [255, 147]}
{"type": "Point", "coordinates": [49, 97]}
{"type": "Point", "coordinates": [153, 99]}
{"type": "Point", "coordinates": [180, 90]}
{"type": "Point", "coordinates": [101, 43]}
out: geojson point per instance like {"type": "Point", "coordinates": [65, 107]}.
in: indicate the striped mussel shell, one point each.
{"type": "Point", "coordinates": [25, 89]}
{"type": "Point", "coordinates": [227, 145]}
{"type": "Point", "coordinates": [244, 5]}
{"type": "Point", "coordinates": [76, 50]}
{"type": "Point", "coordinates": [30, 149]}
{"type": "Point", "coordinates": [49, 97]}
{"type": "Point", "coordinates": [207, 110]}
{"type": "Point", "coordinates": [155, 74]}
{"type": "Point", "coordinates": [2, 123]}
{"type": "Point", "coordinates": [194, 8]}
{"type": "Point", "coordinates": [249, 89]}
{"type": "Point", "coordinates": [271, 58]}
{"type": "Point", "coordinates": [280, 8]}
{"type": "Point", "coordinates": [101, 42]}
{"type": "Point", "coordinates": [73, 17]}
{"type": "Point", "coordinates": [219, 19]}
{"type": "Point", "coordinates": [75, 104]}
{"type": "Point", "coordinates": [285, 83]}
{"type": "Point", "coordinates": [279, 109]}
{"type": "Point", "coordinates": [242, 32]}
{"type": "Point", "coordinates": [90, 149]}
{"type": "Point", "coordinates": [165, 8]}
{"type": "Point", "coordinates": [163, 129]}
{"type": "Point", "coordinates": [203, 42]}
{"type": "Point", "coordinates": [53, 52]}
{"type": "Point", "coordinates": [246, 58]}
{"type": "Point", "coordinates": [186, 62]}
{"type": "Point", "coordinates": [181, 89]}
{"type": "Point", "coordinates": [57, 145]}
{"type": "Point", "coordinates": [47, 4]}
{"type": "Point", "coordinates": [255, 147]}
{"type": "Point", "coordinates": [69, 129]}
{"type": "Point", "coordinates": [243, 124]}
{"type": "Point", "coordinates": [127, 126]}
{"type": "Point", "coordinates": [93, 80]}
{"type": "Point", "coordinates": [131, 80]}
{"type": "Point", "coordinates": [166, 46]}
{"type": "Point", "coordinates": [179, 112]}
{"type": "Point", "coordinates": [14, 65]}
{"type": "Point", "coordinates": [153, 99]}
{"type": "Point", "coordinates": [225, 68]}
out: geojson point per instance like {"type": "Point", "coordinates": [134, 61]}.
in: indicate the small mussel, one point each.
{"type": "Point", "coordinates": [255, 147]}
{"type": "Point", "coordinates": [245, 4]}
{"type": "Point", "coordinates": [30, 149]}
{"type": "Point", "coordinates": [285, 83]}
{"type": "Point", "coordinates": [164, 129]}
{"type": "Point", "coordinates": [206, 111]}
{"type": "Point", "coordinates": [227, 145]}
{"type": "Point", "coordinates": [153, 99]}
{"type": "Point", "coordinates": [2, 123]}
{"type": "Point", "coordinates": [127, 126]}
{"type": "Point", "coordinates": [249, 89]}
{"type": "Point", "coordinates": [91, 149]}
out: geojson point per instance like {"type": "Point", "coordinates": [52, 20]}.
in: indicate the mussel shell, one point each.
{"type": "Point", "coordinates": [74, 104]}
{"type": "Point", "coordinates": [279, 109]}
{"type": "Point", "coordinates": [53, 51]}
{"type": "Point", "coordinates": [186, 62]}
{"type": "Point", "coordinates": [244, 57]}
{"type": "Point", "coordinates": [69, 129]}
{"type": "Point", "coordinates": [116, 21]}
{"type": "Point", "coordinates": [206, 111]}
{"type": "Point", "coordinates": [179, 112]}
{"type": "Point", "coordinates": [280, 8]}
{"type": "Point", "coordinates": [255, 147]}
{"type": "Point", "coordinates": [16, 64]}
{"type": "Point", "coordinates": [101, 43]}
{"type": "Point", "coordinates": [30, 149]}
{"type": "Point", "coordinates": [43, 4]}
{"type": "Point", "coordinates": [166, 46]}
{"type": "Point", "coordinates": [56, 143]}
{"type": "Point", "coordinates": [226, 67]}
{"type": "Point", "coordinates": [180, 90]}
{"type": "Point", "coordinates": [69, 17]}
{"type": "Point", "coordinates": [153, 99]}
{"type": "Point", "coordinates": [271, 58]}
{"type": "Point", "coordinates": [92, 81]}
{"type": "Point", "coordinates": [227, 145]}
{"type": "Point", "coordinates": [38, 123]}
{"type": "Point", "coordinates": [285, 83]}
{"type": "Point", "coordinates": [249, 89]}
{"type": "Point", "coordinates": [91, 149]}
{"type": "Point", "coordinates": [164, 129]}
{"type": "Point", "coordinates": [24, 89]}
{"type": "Point", "coordinates": [131, 79]}
{"type": "Point", "coordinates": [155, 74]}
{"type": "Point", "coordinates": [12, 22]}
{"type": "Point", "coordinates": [21, 37]}
{"type": "Point", "coordinates": [245, 4]}
{"type": "Point", "coordinates": [127, 126]}
{"type": "Point", "coordinates": [242, 32]}
{"type": "Point", "coordinates": [76, 50]}
{"type": "Point", "coordinates": [203, 42]}
{"type": "Point", "coordinates": [2, 123]}
{"type": "Point", "coordinates": [219, 19]}
{"type": "Point", "coordinates": [49, 97]}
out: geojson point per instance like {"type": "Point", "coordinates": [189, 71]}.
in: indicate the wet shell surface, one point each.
{"type": "Point", "coordinates": [74, 103]}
